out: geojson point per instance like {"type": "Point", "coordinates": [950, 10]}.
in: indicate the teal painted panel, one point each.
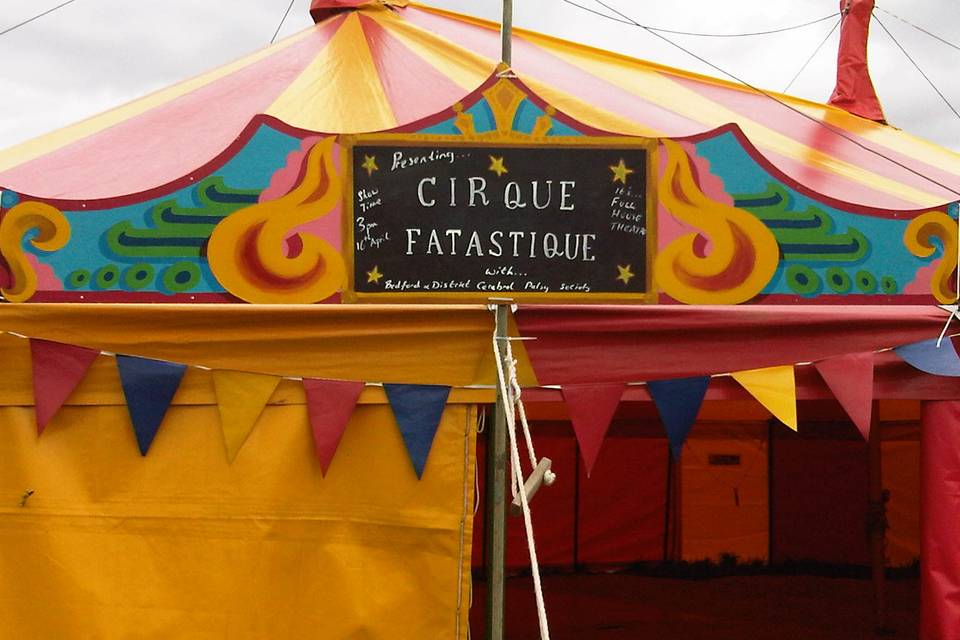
{"type": "Point", "coordinates": [158, 245]}
{"type": "Point", "coordinates": [825, 250]}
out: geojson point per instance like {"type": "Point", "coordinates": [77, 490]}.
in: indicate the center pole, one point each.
{"type": "Point", "coordinates": [506, 34]}
{"type": "Point", "coordinates": [496, 492]}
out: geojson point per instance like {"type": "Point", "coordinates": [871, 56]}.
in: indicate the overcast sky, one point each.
{"type": "Point", "coordinates": [95, 54]}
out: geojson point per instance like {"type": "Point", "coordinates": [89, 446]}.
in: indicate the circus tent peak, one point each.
{"type": "Point", "coordinates": [378, 66]}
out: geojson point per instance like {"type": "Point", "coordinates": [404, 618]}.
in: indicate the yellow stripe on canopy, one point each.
{"type": "Point", "coordinates": [896, 140]}
{"type": "Point", "coordinates": [658, 88]}
{"type": "Point", "coordinates": [340, 91]}
{"type": "Point", "coordinates": [775, 388]}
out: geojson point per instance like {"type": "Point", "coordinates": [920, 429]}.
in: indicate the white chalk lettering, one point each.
{"type": "Point", "coordinates": [423, 201]}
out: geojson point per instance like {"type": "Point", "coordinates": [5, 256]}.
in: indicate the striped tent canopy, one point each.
{"type": "Point", "coordinates": [373, 66]}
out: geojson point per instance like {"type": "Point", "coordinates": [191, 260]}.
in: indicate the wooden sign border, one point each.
{"type": "Point", "coordinates": [351, 295]}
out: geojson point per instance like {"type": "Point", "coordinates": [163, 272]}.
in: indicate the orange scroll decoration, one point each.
{"type": "Point", "coordinates": [249, 253]}
{"type": "Point", "coordinates": [918, 240]}
{"type": "Point", "coordinates": [53, 234]}
{"type": "Point", "coordinates": [743, 254]}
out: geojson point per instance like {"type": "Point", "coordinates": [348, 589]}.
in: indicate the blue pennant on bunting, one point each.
{"type": "Point", "coordinates": [929, 358]}
{"type": "Point", "coordinates": [417, 409]}
{"type": "Point", "coordinates": [148, 386]}
{"type": "Point", "coordinates": [678, 402]}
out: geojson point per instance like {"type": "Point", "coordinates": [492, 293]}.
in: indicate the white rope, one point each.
{"type": "Point", "coordinates": [510, 402]}
{"type": "Point", "coordinates": [549, 477]}
{"type": "Point", "coordinates": [946, 326]}
{"type": "Point", "coordinates": [515, 387]}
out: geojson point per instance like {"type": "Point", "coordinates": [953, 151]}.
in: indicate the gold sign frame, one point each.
{"type": "Point", "coordinates": [349, 142]}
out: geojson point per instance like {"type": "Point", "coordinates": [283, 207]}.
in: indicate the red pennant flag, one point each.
{"type": "Point", "coordinates": [591, 409]}
{"type": "Point", "coordinates": [57, 370]}
{"type": "Point", "coordinates": [850, 378]}
{"type": "Point", "coordinates": [330, 404]}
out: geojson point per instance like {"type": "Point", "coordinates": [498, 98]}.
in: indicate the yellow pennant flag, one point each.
{"type": "Point", "coordinates": [775, 388]}
{"type": "Point", "coordinates": [241, 398]}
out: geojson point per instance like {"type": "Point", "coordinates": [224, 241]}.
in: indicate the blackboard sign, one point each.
{"type": "Point", "coordinates": [445, 220]}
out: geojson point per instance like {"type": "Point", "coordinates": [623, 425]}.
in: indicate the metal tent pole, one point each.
{"type": "Point", "coordinates": [496, 495]}
{"type": "Point", "coordinates": [496, 482]}
{"type": "Point", "coordinates": [506, 33]}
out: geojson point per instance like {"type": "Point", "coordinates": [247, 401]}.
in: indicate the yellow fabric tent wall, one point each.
{"type": "Point", "coordinates": [181, 544]}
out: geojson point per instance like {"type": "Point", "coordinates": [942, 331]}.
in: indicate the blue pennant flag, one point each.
{"type": "Point", "coordinates": [929, 358]}
{"type": "Point", "coordinates": [678, 402]}
{"type": "Point", "coordinates": [417, 409]}
{"type": "Point", "coordinates": [148, 386]}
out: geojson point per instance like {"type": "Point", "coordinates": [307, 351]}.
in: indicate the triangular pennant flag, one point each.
{"type": "Point", "coordinates": [241, 397]}
{"type": "Point", "coordinates": [591, 408]}
{"type": "Point", "coordinates": [330, 404]}
{"type": "Point", "coordinates": [850, 378]}
{"type": "Point", "coordinates": [929, 358]}
{"type": "Point", "coordinates": [417, 409]}
{"type": "Point", "coordinates": [775, 388]}
{"type": "Point", "coordinates": [57, 370]}
{"type": "Point", "coordinates": [678, 403]}
{"type": "Point", "coordinates": [149, 387]}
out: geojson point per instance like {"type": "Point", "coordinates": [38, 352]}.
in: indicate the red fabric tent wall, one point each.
{"type": "Point", "coordinates": [613, 518]}
{"type": "Point", "coordinates": [940, 509]}
{"type": "Point", "coordinates": [581, 345]}
{"type": "Point", "coordinates": [626, 494]}
{"type": "Point", "coordinates": [819, 494]}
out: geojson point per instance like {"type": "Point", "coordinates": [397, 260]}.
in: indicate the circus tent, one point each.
{"type": "Point", "coordinates": [862, 210]}
{"type": "Point", "coordinates": [385, 67]}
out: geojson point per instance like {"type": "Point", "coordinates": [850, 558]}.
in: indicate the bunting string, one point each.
{"type": "Point", "coordinates": [149, 386]}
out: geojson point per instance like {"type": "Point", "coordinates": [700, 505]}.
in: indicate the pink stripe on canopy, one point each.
{"type": "Point", "coordinates": [470, 36]}
{"type": "Point", "coordinates": [538, 64]}
{"type": "Point", "coordinates": [400, 68]}
{"type": "Point", "coordinates": [816, 135]}
{"type": "Point", "coordinates": [834, 185]}
{"type": "Point", "coordinates": [167, 141]}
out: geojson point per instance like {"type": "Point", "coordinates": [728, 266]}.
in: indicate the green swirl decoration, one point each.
{"type": "Point", "coordinates": [803, 280]}
{"type": "Point", "coordinates": [866, 281]}
{"type": "Point", "coordinates": [77, 279]}
{"type": "Point", "coordinates": [888, 285]}
{"type": "Point", "coordinates": [181, 277]}
{"type": "Point", "coordinates": [138, 276]}
{"type": "Point", "coordinates": [107, 277]}
{"type": "Point", "coordinates": [838, 281]}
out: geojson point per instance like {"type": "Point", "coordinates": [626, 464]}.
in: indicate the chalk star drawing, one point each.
{"type": "Point", "coordinates": [370, 164]}
{"type": "Point", "coordinates": [497, 166]}
{"type": "Point", "coordinates": [620, 171]}
{"type": "Point", "coordinates": [625, 273]}
{"type": "Point", "coordinates": [374, 275]}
